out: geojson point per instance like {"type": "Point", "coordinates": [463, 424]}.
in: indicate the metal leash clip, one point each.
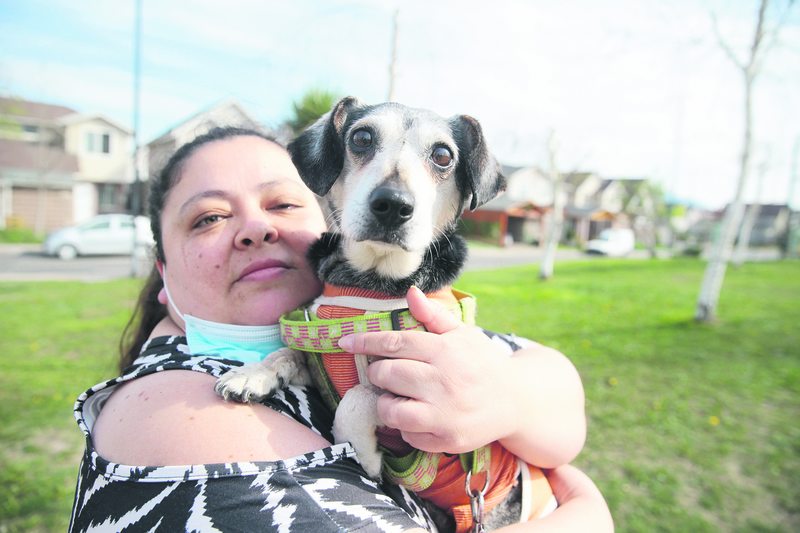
{"type": "Point", "coordinates": [476, 502]}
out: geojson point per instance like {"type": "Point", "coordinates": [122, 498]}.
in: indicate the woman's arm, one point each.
{"type": "Point", "coordinates": [451, 390]}
{"type": "Point", "coordinates": [176, 418]}
{"type": "Point", "coordinates": [581, 506]}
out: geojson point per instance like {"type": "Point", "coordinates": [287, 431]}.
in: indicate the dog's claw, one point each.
{"type": "Point", "coordinates": [247, 384]}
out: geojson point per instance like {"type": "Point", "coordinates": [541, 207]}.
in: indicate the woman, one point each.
{"type": "Point", "coordinates": [232, 222]}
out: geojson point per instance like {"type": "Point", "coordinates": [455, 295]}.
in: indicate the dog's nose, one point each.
{"type": "Point", "coordinates": [390, 206]}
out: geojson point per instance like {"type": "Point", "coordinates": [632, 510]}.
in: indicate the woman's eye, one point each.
{"type": "Point", "coordinates": [362, 138]}
{"type": "Point", "coordinates": [441, 156]}
{"type": "Point", "coordinates": [205, 221]}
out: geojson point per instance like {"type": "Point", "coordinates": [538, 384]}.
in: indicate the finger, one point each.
{"type": "Point", "coordinates": [417, 345]}
{"type": "Point", "coordinates": [403, 377]}
{"type": "Point", "coordinates": [406, 414]}
{"type": "Point", "coordinates": [434, 443]}
{"type": "Point", "coordinates": [433, 316]}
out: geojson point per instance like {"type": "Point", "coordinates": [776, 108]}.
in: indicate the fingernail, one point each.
{"type": "Point", "coordinates": [346, 343]}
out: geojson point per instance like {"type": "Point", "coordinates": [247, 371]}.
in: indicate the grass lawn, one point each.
{"type": "Point", "coordinates": [692, 427]}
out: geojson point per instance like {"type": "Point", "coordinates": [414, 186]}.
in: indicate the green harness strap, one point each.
{"type": "Point", "coordinates": [300, 331]}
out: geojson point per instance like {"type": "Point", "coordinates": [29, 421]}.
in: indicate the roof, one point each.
{"type": "Point", "coordinates": [201, 116]}
{"type": "Point", "coordinates": [76, 118]}
{"type": "Point", "coordinates": [25, 108]}
{"type": "Point", "coordinates": [505, 203]}
{"type": "Point", "coordinates": [29, 156]}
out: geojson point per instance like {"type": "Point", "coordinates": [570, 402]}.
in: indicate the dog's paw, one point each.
{"type": "Point", "coordinates": [355, 421]}
{"type": "Point", "coordinates": [248, 383]}
{"type": "Point", "coordinates": [372, 462]}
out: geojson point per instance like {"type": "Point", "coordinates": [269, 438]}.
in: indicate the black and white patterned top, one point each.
{"type": "Point", "coordinates": [321, 491]}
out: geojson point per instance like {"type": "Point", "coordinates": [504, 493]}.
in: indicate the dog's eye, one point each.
{"type": "Point", "coordinates": [362, 138]}
{"type": "Point", "coordinates": [441, 156]}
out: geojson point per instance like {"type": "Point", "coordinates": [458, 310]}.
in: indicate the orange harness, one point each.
{"type": "Point", "coordinates": [438, 478]}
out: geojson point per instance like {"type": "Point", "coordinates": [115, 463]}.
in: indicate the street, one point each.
{"type": "Point", "coordinates": [27, 263]}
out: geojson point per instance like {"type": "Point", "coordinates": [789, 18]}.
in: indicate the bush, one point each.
{"type": "Point", "coordinates": [18, 235]}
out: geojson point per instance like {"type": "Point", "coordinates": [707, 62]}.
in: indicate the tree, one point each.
{"type": "Point", "coordinates": [645, 200]}
{"type": "Point", "coordinates": [312, 105]}
{"type": "Point", "coordinates": [750, 217]}
{"type": "Point", "coordinates": [718, 261]}
{"type": "Point", "coordinates": [556, 215]}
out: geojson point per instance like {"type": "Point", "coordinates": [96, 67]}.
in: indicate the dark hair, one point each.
{"type": "Point", "coordinates": [148, 311]}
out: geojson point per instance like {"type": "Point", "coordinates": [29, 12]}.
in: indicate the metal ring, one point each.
{"type": "Point", "coordinates": [468, 484]}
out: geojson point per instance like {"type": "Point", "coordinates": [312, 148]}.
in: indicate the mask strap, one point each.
{"type": "Point", "coordinates": [169, 296]}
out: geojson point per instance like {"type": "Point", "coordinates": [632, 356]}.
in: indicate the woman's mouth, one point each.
{"type": "Point", "coordinates": [263, 270]}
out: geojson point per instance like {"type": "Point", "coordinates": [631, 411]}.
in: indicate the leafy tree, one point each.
{"type": "Point", "coordinates": [312, 105]}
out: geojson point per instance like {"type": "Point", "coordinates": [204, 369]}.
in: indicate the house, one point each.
{"type": "Point", "coordinates": [59, 166]}
{"type": "Point", "coordinates": [593, 204]}
{"type": "Point", "coordinates": [518, 214]}
{"type": "Point", "coordinates": [227, 113]}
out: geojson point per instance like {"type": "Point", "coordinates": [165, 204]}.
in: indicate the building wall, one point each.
{"type": "Point", "coordinates": [88, 140]}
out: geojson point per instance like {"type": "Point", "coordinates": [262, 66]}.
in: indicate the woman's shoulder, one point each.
{"type": "Point", "coordinates": [168, 418]}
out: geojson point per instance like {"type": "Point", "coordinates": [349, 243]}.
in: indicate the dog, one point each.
{"type": "Point", "coordinates": [392, 182]}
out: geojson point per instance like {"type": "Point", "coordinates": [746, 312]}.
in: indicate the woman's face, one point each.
{"type": "Point", "coordinates": [235, 229]}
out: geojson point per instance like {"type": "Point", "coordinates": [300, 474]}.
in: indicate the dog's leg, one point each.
{"type": "Point", "coordinates": [356, 421]}
{"type": "Point", "coordinates": [257, 381]}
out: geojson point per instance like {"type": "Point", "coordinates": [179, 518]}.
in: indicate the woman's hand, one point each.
{"type": "Point", "coordinates": [452, 389]}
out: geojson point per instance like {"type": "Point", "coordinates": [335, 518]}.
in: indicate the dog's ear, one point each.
{"type": "Point", "coordinates": [478, 172]}
{"type": "Point", "coordinates": [318, 152]}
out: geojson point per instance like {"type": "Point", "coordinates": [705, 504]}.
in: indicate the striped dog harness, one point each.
{"type": "Point", "coordinates": [437, 477]}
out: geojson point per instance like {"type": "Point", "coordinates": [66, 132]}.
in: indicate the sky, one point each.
{"type": "Point", "coordinates": [629, 88]}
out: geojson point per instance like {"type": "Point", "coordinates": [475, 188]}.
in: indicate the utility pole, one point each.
{"type": "Point", "coordinates": [393, 58]}
{"type": "Point", "coordinates": [139, 252]}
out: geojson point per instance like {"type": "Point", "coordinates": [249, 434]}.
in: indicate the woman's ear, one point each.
{"type": "Point", "coordinates": [162, 294]}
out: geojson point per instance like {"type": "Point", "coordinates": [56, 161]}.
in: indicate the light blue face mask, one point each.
{"type": "Point", "coordinates": [248, 344]}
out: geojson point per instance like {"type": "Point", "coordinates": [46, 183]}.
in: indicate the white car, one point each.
{"type": "Point", "coordinates": [112, 234]}
{"type": "Point", "coordinates": [616, 242]}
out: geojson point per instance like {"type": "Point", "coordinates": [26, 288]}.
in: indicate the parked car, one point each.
{"type": "Point", "coordinates": [112, 234]}
{"type": "Point", "coordinates": [615, 242]}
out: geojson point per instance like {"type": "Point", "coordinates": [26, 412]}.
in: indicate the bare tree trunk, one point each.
{"type": "Point", "coordinates": [750, 217]}
{"type": "Point", "coordinates": [721, 253]}
{"type": "Point", "coordinates": [788, 237]}
{"type": "Point", "coordinates": [556, 217]}
{"type": "Point", "coordinates": [714, 276]}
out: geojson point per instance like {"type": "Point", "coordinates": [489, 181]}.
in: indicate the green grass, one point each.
{"type": "Point", "coordinates": [58, 339]}
{"type": "Point", "coordinates": [692, 427]}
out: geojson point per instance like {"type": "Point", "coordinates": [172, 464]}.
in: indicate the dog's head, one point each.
{"type": "Point", "coordinates": [394, 178]}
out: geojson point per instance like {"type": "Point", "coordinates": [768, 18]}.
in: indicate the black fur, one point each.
{"type": "Point", "coordinates": [441, 265]}
{"type": "Point", "coordinates": [478, 173]}
{"type": "Point", "coordinates": [318, 152]}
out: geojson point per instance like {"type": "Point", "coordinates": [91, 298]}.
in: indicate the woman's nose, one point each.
{"type": "Point", "coordinates": [255, 232]}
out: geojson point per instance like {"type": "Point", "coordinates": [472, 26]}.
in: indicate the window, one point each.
{"type": "Point", "coordinates": [98, 142]}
